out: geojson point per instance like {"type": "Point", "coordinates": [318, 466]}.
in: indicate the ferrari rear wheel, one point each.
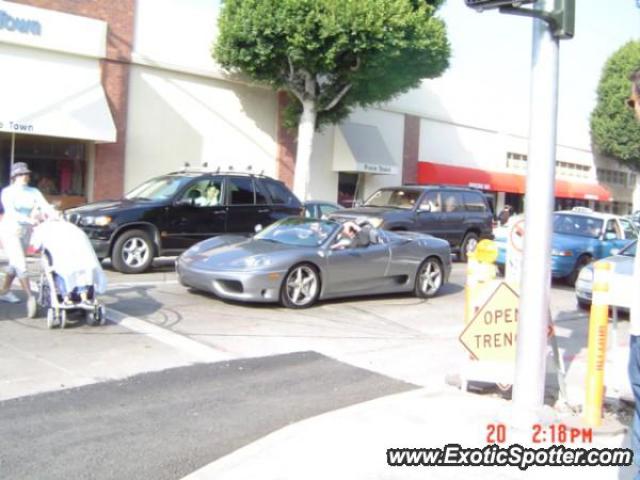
{"type": "Point", "coordinates": [301, 287]}
{"type": "Point", "coordinates": [429, 278]}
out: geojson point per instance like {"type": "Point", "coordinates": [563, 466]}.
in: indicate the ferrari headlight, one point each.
{"type": "Point", "coordinates": [99, 221]}
{"type": "Point", "coordinates": [561, 253]}
{"type": "Point", "coordinates": [257, 261]}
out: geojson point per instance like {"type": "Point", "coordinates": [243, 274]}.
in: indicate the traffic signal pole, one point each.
{"type": "Point", "coordinates": [552, 20]}
{"type": "Point", "coordinates": [535, 282]}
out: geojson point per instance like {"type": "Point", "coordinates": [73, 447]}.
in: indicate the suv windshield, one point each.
{"type": "Point", "coordinates": [580, 225]}
{"type": "Point", "coordinates": [397, 198]}
{"type": "Point", "coordinates": [160, 188]}
{"type": "Point", "coordinates": [300, 232]}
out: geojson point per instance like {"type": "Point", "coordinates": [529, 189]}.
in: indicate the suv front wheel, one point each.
{"type": "Point", "coordinates": [468, 245]}
{"type": "Point", "coordinates": [132, 252]}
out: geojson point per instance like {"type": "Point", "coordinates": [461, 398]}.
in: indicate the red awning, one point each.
{"type": "Point", "coordinates": [503, 182]}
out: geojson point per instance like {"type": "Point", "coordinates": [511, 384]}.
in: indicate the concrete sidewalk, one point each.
{"type": "Point", "coordinates": [351, 443]}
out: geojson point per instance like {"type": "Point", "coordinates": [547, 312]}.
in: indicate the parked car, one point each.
{"type": "Point", "coordinates": [461, 216]}
{"type": "Point", "coordinates": [293, 262]}
{"type": "Point", "coordinates": [621, 278]}
{"type": "Point", "coordinates": [580, 236]}
{"type": "Point", "coordinates": [319, 208]}
{"type": "Point", "coordinates": [168, 214]}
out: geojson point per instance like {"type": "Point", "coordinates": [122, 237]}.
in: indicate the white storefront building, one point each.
{"type": "Point", "coordinates": [469, 127]}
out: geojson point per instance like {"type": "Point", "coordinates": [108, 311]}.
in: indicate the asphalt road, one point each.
{"type": "Point", "coordinates": [164, 425]}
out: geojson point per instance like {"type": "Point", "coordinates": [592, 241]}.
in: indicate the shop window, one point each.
{"type": "Point", "coordinates": [347, 189]}
{"type": "Point", "coordinates": [58, 166]}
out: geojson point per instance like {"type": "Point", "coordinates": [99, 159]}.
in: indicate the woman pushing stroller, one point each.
{"type": "Point", "coordinates": [23, 206]}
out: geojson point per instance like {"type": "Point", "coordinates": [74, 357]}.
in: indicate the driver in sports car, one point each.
{"type": "Point", "coordinates": [353, 235]}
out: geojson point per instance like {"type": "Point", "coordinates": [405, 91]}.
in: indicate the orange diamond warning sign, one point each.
{"type": "Point", "coordinates": [491, 334]}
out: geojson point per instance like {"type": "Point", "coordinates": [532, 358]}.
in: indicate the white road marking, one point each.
{"type": "Point", "coordinates": [199, 350]}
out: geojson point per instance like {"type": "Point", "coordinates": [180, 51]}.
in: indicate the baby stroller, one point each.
{"type": "Point", "coordinates": [71, 275]}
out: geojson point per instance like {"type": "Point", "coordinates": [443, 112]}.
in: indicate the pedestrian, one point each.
{"type": "Point", "coordinates": [634, 342]}
{"type": "Point", "coordinates": [505, 214]}
{"type": "Point", "coordinates": [23, 205]}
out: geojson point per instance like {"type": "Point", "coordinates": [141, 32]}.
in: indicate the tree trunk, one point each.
{"type": "Point", "coordinates": [306, 131]}
{"type": "Point", "coordinates": [636, 194]}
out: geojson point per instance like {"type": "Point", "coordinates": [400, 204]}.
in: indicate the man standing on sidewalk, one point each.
{"type": "Point", "coordinates": [634, 342]}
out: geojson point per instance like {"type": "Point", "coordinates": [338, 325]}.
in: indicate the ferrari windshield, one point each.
{"type": "Point", "coordinates": [629, 250]}
{"type": "Point", "coordinates": [160, 188]}
{"type": "Point", "coordinates": [580, 225]}
{"type": "Point", "coordinates": [394, 198]}
{"type": "Point", "coordinates": [299, 232]}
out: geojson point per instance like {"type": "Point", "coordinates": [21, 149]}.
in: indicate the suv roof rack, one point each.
{"type": "Point", "coordinates": [205, 168]}
{"type": "Point", "coordinates": [441, 185]}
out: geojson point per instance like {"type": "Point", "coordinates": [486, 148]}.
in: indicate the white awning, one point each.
{"type": "Point", "coordinates": [361, 148]}
{"type": "Point", "coordinates": [52, 94]}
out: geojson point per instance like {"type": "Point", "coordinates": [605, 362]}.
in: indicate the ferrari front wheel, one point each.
{"type": "Point", "coordinates": [301, 287]}
{"type": "Point", "coordinates": [429, 278]}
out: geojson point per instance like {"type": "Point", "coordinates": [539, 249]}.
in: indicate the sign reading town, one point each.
{"type": "Point", "coordinates": [21, 25]}
{"type": "Point", "coordinates": [491, 334]}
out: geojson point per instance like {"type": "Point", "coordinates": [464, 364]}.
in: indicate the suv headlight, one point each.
{"type": "Point", "coordinates": [99, 221]}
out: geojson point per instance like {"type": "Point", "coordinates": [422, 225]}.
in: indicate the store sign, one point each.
{"type": "Point", "coordinates": [16, 127]}
{"type": "Point", "coordinates": [21, 25]}
{"type": "Point", "coordinates": [35, 27]}
{"type": "Point", "coordinates": [375, 168]}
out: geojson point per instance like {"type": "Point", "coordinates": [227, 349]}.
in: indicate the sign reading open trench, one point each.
{"type": "Point", "coordinates": [491, 334]}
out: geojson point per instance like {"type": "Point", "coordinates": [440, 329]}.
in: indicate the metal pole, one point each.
{"type": "Point", "coordinates": [13, 150]}
{"type": "Point", "coordinates": [535, 283]}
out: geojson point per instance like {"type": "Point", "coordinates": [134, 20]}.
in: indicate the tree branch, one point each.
{"type": "Point", "coordinates": [337, 98]}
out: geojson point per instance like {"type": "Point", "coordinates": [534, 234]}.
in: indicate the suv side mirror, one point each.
{"type": "Point", "coordinates": [424, 207]}
{"type": "Point", "coordinates": [185, 202]}
{"type": "Point", "coordinates": [610, 236]}
{"type": "Point", "coordinates": [357, 203]}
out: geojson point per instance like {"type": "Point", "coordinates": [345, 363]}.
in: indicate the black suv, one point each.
{"type": "Point", "coordinates": [168, 214]}
{"type": "Point", "coordinates": [462, 216]}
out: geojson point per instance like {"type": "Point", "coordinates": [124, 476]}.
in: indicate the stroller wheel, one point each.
{"type": "Point", "coordinates": [63, 318]}
{"type": "Point", "coordinates": [51, 318]}
{"type": "Point", "coordinates": [91, 317]}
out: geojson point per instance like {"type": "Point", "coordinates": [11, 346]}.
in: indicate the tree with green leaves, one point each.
{"type": "Point", "coordinates": [614, 129]}
{"type": "Point", "coordinates": [331, 55]}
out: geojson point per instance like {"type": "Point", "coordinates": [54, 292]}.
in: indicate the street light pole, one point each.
{"type": "Point", "coordinates": [535, 283]}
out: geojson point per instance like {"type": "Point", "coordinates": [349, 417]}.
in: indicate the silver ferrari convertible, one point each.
{"type": "Point", "coordinates": [297, 261]}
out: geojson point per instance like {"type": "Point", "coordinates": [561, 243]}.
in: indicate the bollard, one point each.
{"type": "Point", "coordinates": [598, 329]}
{"type": "Point", "coordinates": [481, 270]}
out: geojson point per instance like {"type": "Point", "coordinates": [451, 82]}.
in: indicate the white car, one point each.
{"type": "Point", "coordinates": [620, 293]}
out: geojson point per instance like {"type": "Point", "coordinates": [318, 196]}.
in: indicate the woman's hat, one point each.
{"type": "Point", "coordinates": [19, 168]}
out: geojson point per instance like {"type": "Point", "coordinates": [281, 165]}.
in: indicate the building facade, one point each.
{"type": "Point", "coordinates": [99, 96]}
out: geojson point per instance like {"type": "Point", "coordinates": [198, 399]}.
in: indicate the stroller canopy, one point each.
{"type": "Point", "coordinates": [72, 255]}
